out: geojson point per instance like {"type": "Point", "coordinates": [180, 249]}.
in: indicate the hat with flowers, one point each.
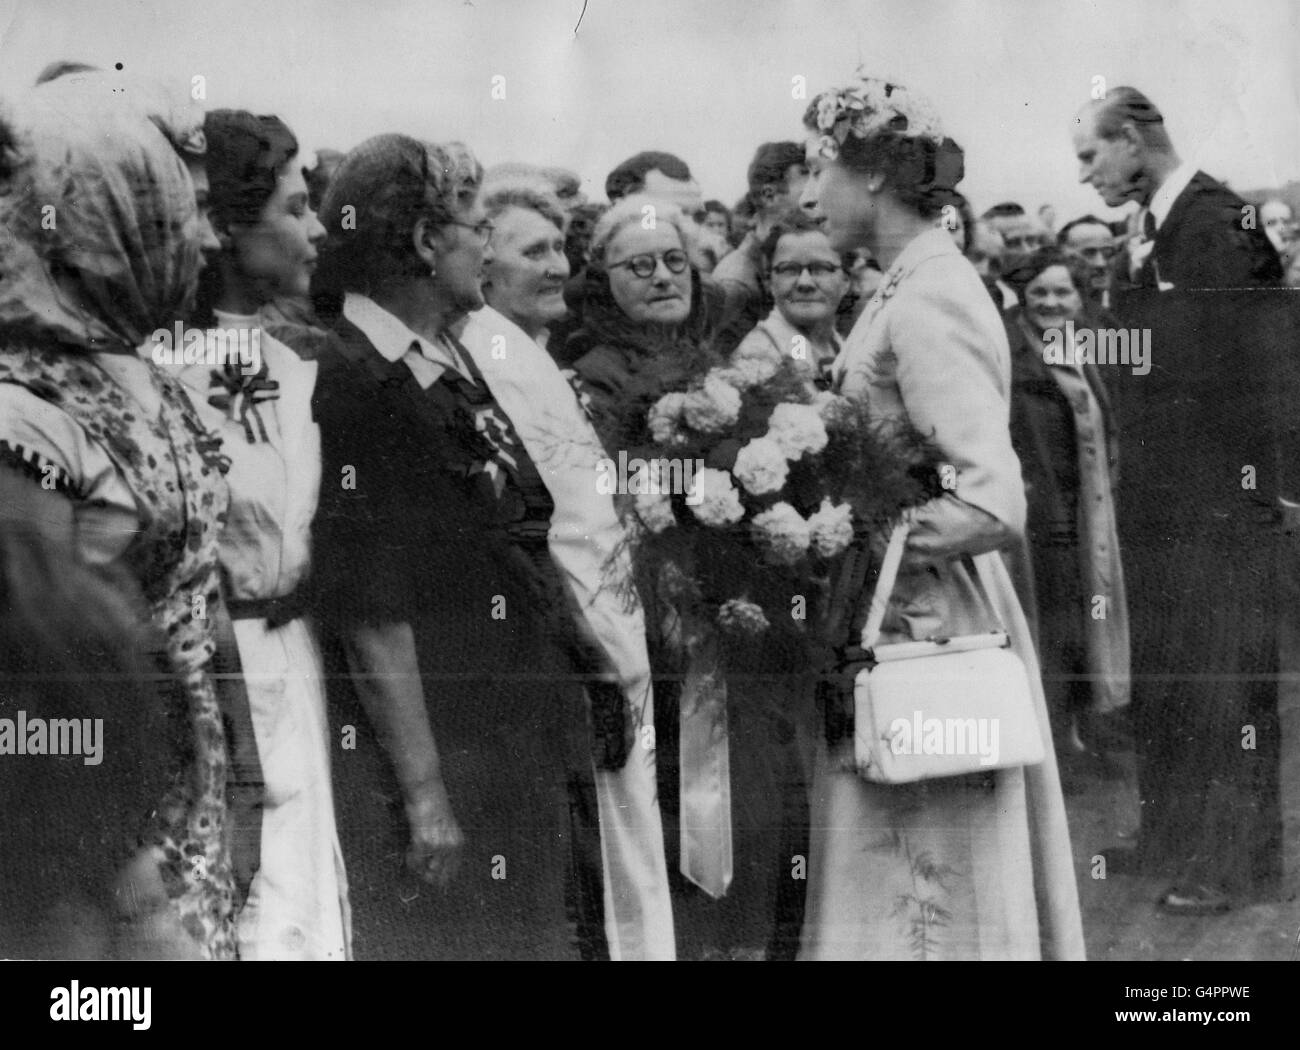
{"type": "Point", "coordinates": [868, 107]}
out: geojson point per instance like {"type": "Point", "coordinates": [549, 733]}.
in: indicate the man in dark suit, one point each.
{"type": "Point", "coordinates": [1205, 438]}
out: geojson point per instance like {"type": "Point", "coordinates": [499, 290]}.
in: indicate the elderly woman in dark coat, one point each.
{"type": "Point", "coordinates": [642, 307]}
{"type": "Point", "coordinates": [646, 332]}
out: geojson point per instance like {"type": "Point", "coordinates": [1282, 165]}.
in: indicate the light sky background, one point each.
{"type": "Point", "coordinates": [708, 79]}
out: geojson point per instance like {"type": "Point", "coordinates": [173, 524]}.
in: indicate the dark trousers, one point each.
{"type": "Point", "coordinates": [1204, 614]}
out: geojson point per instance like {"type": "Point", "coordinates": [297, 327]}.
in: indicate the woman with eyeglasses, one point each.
{"type": "Point", "coordinates": [808, 282]}
{"type": "Point", "coordinates": [642, 301]}
{"type": "Point", "coordinates": [441, 554]}
{"type": "Point", "coordinates": [643, 334]}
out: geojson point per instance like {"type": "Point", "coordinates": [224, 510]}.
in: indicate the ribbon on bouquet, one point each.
{"type": "Point", "coordinates": [705, 767]}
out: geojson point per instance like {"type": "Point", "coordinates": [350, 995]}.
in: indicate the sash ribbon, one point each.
{"type": "Point", "coordinates": [705, 767]}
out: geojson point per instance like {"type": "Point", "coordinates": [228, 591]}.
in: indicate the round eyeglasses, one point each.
{"type": "Point", "coordinates": [483, 229]}
{"type": "Point", "coordinates": [818, 270]}
{"type": "Point", "coordinates": [645, 265]}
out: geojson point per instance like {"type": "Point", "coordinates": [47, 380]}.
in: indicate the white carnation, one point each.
{"type": "Point", "coordinates": [831, 528]}
{"type": "Point", "coordinates": [655, 511]}
{"type": "Point", "coordinates": [761, 467]}
{"type": "Point", "coordinates": [664, 417]}
{"type": "Point", "coordinates": [713, 407]}
{"type": "Point", "coordinates": [716, 501]}
{"type": "Point", "coordinates": [784, 532]}
{"type": "Point", "coordinates": [754, 365]}
{"type": "Point", "coordinates": [798, 429]}
{"type": "Point", "coordinates": [742, 616]}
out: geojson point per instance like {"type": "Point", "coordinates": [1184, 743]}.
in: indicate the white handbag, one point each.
{"type": "Point", "coordinates": [941, 707]}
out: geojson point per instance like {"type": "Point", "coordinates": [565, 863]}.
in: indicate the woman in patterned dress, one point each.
{"type": "Point", "coordinates": [101, 238]}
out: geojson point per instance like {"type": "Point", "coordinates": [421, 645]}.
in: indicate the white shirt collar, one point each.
{"type": "Point", "coordinates": [784, 335]}
{"type": "Point", "coordinates": [1163, 199]}
{"type": "Point", "coordinates": [392, 338]}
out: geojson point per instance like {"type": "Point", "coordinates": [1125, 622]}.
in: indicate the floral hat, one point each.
{"type": "Point", "coordinates": [868, 106]}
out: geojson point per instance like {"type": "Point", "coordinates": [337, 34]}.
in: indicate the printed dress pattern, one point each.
{"type": "Point", "coordinates": [172, 467]}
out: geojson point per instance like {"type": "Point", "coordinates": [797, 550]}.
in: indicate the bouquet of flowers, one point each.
{"type": "Point", "coordinates": [746, 486]}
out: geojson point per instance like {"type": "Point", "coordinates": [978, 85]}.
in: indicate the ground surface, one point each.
{"type": "Point", "coordinates": [1120, 918]}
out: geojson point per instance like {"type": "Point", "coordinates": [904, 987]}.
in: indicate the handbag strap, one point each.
{"type": "Point", "coordinates": [885, 584]}
{"type": "Point", "coordinates": [889, 575]}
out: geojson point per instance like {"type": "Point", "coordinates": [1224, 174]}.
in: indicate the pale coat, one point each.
{"type": "Point", "coordinates": [586, 542]}
{"type": "Point", "coordinates": [969, 867]}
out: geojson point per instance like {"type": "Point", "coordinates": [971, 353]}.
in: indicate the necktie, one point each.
{"type": "Point", "coordinates": [1141, 250]}
{"type": "Point", "coordinates": [1148, 225]}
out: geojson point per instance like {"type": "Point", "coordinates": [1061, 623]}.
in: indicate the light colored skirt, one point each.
{"type": "Point", "coordinates": [297, 908]}
{"type": "Point", "coordinates": [638, 911]}
{"type": "Point", "coordinates": [974, 867]}
{"type": "Point", "coordinates": [935, 870]}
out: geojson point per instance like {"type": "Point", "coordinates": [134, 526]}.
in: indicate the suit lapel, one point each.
{"type": "Point", "coordinates": [1168, 250]}
{"type": "Point", "coordinates": [1168, 230]}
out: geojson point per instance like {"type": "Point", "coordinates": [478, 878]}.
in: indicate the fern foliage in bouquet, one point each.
{"type": "Point", "coordinates": [748, 488]}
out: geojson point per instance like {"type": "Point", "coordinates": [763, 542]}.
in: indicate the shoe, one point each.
{"type": "Point", "coordinates": [1194, 900]}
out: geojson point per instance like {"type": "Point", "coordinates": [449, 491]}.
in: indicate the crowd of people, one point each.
{"type": "Point", "coordinates": [381, 673]}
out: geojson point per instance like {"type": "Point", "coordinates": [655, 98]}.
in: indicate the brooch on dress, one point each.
{"type": "Point", "coordinates": [888, 285]}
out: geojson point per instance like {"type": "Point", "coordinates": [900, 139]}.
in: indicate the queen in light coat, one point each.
{"type": "Point", "coordinates": [976, 866]}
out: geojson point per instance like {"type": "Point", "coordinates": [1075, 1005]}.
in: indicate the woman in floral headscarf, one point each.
{"type": "Point", "coordinates": [974, 866]}
{"type": "Point", "coordinates": [100, 245]}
